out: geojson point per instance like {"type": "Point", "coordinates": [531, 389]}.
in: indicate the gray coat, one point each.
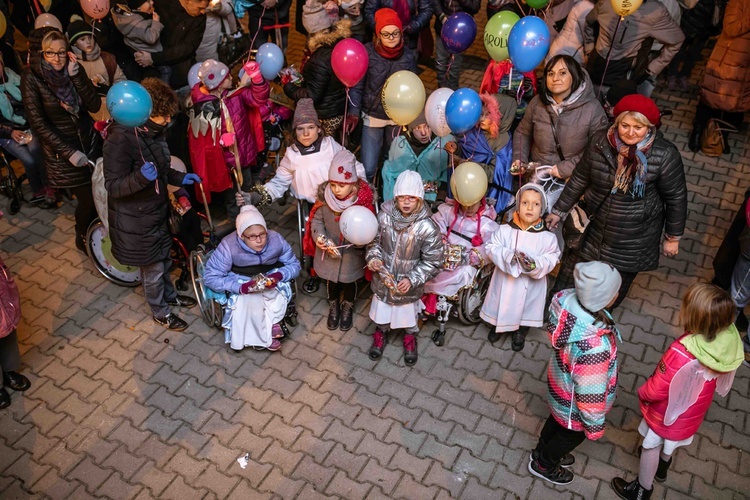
{"type": "Point", "coordinates": [139, 33]}
{"type": "Point", "coordinates": [223, 14]}
{"type": "Point", "coordinates": [351, 266]}
{"type": "Point", "coordinates": [534, 140]}
{"type": "Point", "coordinates": [409, 247]}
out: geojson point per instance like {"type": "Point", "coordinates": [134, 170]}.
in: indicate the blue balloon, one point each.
{"type": "Point", "coordinates": [193, 77]}
{"type": "Point", "coordinates": [271, 60]}
{"type": "Point", "coordinates": [458, 32]}
{"type": "Point", "coordinates": [528, 43]}
{"type": "Point", "coordinates": [129, 103]}
{"type": "Point", "coordinates": [462, 111]}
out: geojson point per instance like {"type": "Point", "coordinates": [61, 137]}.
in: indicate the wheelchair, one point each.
{"type": "Point", "coordinates": [465, 305]}
{"type": "Point", "coordinates": [10, 184]}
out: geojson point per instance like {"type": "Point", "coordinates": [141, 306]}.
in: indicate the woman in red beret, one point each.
{"type": "Point", "coordinates": [633, 185]}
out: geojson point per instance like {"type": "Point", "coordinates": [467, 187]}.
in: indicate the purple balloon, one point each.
{"type": "Point", "coordinates": [459, 32]}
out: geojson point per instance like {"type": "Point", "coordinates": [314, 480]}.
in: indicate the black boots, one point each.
{"type": "Point", "coordinates": [694, 142]}
{"type": "Point", "coordinates": [333, 314]}
{"type": "Point", "coordinates": [347, 316]}
{"type": "Point", "coordinates": [661, 472]}
{"type": "Point", "coordinates": [630, 491]}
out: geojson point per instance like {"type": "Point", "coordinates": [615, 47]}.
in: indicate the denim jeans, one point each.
{"type": "Point", "coordinates": [447, 72]}
{"type": "Point", "coordinates": [375, 143]}
{"type": "Point", "coordinates": [158, 287]}
{"type": "Point", "coordinates": [740, 289]}
{"type": "Point", "coordinates": [31, 156]}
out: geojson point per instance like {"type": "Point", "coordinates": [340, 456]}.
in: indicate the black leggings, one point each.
{"type": "Point", "coordinates": [85, 209]}
{"type": "Point", "coordinates": [334, 290]}
{"type": "Point", "coordinates": [556, 441]}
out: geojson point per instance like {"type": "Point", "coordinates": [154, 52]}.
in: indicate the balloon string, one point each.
{"type": "Point", "coordinates": [448, 68]}
{"type": "Point", "coordinates": [609, 54]}
{"type": "Point", "coordinates": [140, 151]}
{"type": "Point", "coordinates": [343, 123]}
{"type": "Point", "coordinates": [252, 42]}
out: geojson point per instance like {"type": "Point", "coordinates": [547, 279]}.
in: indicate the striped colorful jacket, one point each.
{"type": "Point", "coordinates": [582, 373]}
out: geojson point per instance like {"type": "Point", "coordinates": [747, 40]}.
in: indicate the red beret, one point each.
{"type": "Point", "coordinates": [640, 103]}
{"type": "Point", "coordinates": [386, 17]}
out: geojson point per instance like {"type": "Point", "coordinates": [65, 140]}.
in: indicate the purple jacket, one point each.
{"type": "Point", "coordinates": [218, 274]}
{"type": "Point", "coordinates": [248, 107]}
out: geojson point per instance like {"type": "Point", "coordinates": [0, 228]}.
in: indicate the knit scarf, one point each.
{"type": "Point", "coordinates": [568, 101]}
{"type": "Point", "coordinates": [62, 86]}
{"type": "Point", "coordinates": [95, 53]}
{"type": "Point", "coordinates": [338, 205]}
{"type": "Point", "coordinates": [632, 164]}
{"type": "Point", "coordinates": [390, 53]}
{"type": "Point", "coordinates": [10, 87]}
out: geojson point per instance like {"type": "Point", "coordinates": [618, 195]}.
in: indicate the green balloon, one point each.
{"type": "Point", "coordinates": [537, 4]}
{"type": "Point", "coordinates": [496, 33]}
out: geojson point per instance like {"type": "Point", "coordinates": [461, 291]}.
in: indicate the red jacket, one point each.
{"type": "Point", "coordinates": [654, 396]}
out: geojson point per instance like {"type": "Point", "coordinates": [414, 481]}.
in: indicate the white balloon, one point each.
{"type": "Point", "coordinates": [358, 225]}
{"type": "Point", "coordinates": [434, 111]}
{"type": "Point", "coordinates": [47, 19]}
{"type": "Point", "coordinates": [178, 165]}
{"type": "Point", "coordinates": [193, 75]}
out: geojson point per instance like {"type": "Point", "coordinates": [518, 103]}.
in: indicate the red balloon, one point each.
{"type": "Point", "coordinates": [349, 61]}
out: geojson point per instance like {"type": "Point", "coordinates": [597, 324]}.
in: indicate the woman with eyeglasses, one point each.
{"type": "Point", "coordinates": [58, 97]}
{"type": "Point", "coordinates": [387, 54]}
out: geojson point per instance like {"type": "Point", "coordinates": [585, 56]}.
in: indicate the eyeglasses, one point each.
{"type": "Point", "coordinates": [390, 36]}
{"type": "Point", "coordinates": [49, 54]}
{"type": "Point", "coordinates": [256, 237]}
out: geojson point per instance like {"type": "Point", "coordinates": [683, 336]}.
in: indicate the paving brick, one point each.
{"type": "Point", "coordinates": [348, 462]}
{"type": "Point", "coordinates": [281, 458]}
{"type": "Point", "coordinates": [346, 488]}
{"type": "Point", "coordinates": [216, 453]}
{"type": "Point", "coordinates": [216, 482]}
{"type": "Point", "coordinates": [342, 411]}
{"type": "Point", "coordinates": [340, 433]}
{"type": "Point", "coordinates": [52, 484]}
{"type": "Point", "coordinates": [186, 466]}
{"type": "Point", "coordinates": [179, 490]}
{"type": "Point", "coordinates": [282, 407]}
{"type": "Point", "coordinates": [61, 458]}
{"type": "Point", "coordinates": [406, 438]}
{"type": "Point", "coordinates": [313, 473]}
{"type": "Point", "coordinates": [314, 399]}
{"type": "Point", "coordinates": [281, 484]}
{"type": "Point", "coordinates": [115, 487]}
{"type": "Point", "coordinates": [157, 451]}
{"type": "Point", "coordinates": [318, 449]}
{"type": "Point", "coordinates": [444, 454]}
{"type": "Point", "coordinates": [444, 478]}
{"type": "Point", "coordinates": [314, 422]}
{"type": "Point", "coordinates": [90, 475]}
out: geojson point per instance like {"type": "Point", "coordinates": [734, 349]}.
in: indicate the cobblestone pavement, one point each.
{"type": "Point", "coordinates": [121, 408]}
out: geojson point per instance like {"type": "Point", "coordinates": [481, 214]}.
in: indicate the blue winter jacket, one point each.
{"type": "Point", "coordinates": [232, 251]}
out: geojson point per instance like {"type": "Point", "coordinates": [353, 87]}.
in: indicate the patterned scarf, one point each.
{"type": "Point", "coordinates": [62, 86]}
{"type": "Point", "coordinates": [632, 164]}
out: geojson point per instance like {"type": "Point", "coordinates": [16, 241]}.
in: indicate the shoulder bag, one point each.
{"type": "Point", "coordinates": [233, 47]}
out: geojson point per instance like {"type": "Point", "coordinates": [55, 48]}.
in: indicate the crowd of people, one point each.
{"type": "Point", "coordinates": [564, 178]}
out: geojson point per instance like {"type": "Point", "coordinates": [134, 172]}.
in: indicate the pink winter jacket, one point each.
{"type": "Point", "coordinates": [654, 396]}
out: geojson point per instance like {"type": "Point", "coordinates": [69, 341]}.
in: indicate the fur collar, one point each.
{"type": "Point", "coordinates": [342, 29]}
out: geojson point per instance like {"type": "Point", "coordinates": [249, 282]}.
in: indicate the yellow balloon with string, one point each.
{"type": "Point", "coordinates": [468, 183]}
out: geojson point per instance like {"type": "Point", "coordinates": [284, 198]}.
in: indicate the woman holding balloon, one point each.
{"type": "Point", "coordinates": [387, 55]}
{"type": "Point", "coordinates": [58, 97]}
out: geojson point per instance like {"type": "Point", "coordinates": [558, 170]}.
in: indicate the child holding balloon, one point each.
{"type": "Point", "coordinates": [340, 263]}
{"type": "Point", "coordinates": [406, 254]}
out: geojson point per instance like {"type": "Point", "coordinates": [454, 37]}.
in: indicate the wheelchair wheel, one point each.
{"type": "Point", "coordinates": [210, 309]}
{"type": "Point", "coordinates": [99, 247]}
{"type": "Point", "coordinates": [471, 299]}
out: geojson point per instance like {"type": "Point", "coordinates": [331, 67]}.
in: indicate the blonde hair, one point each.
{"type": "Point", "coordinates": [635, 115]}
{"type": "Point", "coordinates": [706, 310]}
{"type": "Point", "coordinates": [54, 36]}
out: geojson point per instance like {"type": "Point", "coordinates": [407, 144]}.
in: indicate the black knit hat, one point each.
{"type": "Point", "coordinates": [135, 4]}
{"type": "Point", "coordinates": [77, 28]}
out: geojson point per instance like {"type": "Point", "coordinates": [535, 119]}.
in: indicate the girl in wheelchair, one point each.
{"type": "Point", "coordinates": [524, 253]}
{"type": "Point", "coordinates": [253, 267]}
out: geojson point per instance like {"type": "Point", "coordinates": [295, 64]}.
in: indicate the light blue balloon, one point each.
{"type": "Point", "coordinates": [528, 43]}
{"type": "Point", "coordinates": [193, 78]}
{"type": "Point", "coordinates": [462, 111]}
{"type": "Point", "coordinates": [129, 103]}
{"type": "Point", "coordinates": [271, 60]}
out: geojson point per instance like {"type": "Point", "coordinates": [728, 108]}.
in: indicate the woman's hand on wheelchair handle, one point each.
{"type": "Point", "coordinates": [552, 221]}
{"type": "Point", "coordinates": [243, 198]}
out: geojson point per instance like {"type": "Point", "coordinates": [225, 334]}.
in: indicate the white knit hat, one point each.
{"type": "Point", "coordinates": [597, 283]}
{"type": "Point", "coordinates": [409, 183]}
{"type": "Point", "coordinates": [212, 73]}
{"type": "Point", "coordinates": [249, 216]}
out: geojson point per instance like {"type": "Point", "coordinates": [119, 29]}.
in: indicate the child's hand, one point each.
{"type": "Point", "coordinates": [375, 265]}
{"type": "Point", "coordinates": [321, 242]}
{"type": "Point", "coordinates": [474, 258]}
{"type": "Point", "coordinates": [451, 147]}
{"type": "Point", "coordinates": [527, 263]}
{"type": "Point", "coordinates": [252, 70]}
{"type": "Point", "coordinates": [273, 279]}
{"type": "Point", "coordinates": [156, 17]}
{"type": "Point", "coordinates": [403, 286]}
{"type": "Point", "coordinates": [72, 64]}
{"type": "Point", "coordinates": [248, 287]}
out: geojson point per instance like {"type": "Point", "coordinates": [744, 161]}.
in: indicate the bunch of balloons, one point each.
{"type": "Point", "coordinates": [403, 97]}
{"type": "Point", "coordinates": [129, 103]}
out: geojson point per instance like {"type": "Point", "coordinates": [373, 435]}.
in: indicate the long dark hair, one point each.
{"type": "Point", "coordinates": [575, 70]}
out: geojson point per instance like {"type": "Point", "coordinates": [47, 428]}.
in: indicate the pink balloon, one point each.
{"type": "Point", "coordinates": [349, 60]}
{"type": "Point", "coordinates": [96, 9]}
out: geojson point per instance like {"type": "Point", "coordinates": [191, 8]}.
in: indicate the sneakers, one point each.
{"type": "Point", "coordinates": [182, 301]}
{"type": "Point", "coordinates": [277, 332]}
{"type": "Point", "coordinates": [333, 314]}
{"type": "Point", "coordinates": [630, 491]}
{"type": "Point", "coordinates": [378, 344]}
{"type": "Point", "coordinates": [519, 339]}
{"type": "Point", "coordinates": [554, 475]}
{"type": "Point", "coordinates": [493, 336]}
{"type": "Point", "coordinates": [410, 349]}
{"type": "Point", "coordinates": [81, 245]}
{"type": "Point", "coordinates": [172, 322]}
{"type": "Point", "coordinates": [275, 345]}
{"type": "Point", "coordinates": [347, 316]}
{"type": "Point", "coordinates": [567, 461]}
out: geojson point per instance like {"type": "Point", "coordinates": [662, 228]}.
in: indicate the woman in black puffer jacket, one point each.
{"type": "Point", "coordinates": [633, 183]}
{"type": "Point", "coordinates": [58, 97]}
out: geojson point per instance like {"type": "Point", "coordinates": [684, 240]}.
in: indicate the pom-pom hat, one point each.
{"type": "Point", "coordinates": [212, 73]}
{"type": "Point", "coordinates": [315, 18]}
{"type": "Point", "coordinates": [640, 103]}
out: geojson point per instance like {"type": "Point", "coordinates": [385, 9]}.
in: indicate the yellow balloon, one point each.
{"type": "Point", "coordinates": [403, 97]}
{"type": "Point", "coordinates": [625, 7]}
{"type": "Point", "coordinates": [3, 24]}
{"type": "Point", "coordinates": [468, 183]}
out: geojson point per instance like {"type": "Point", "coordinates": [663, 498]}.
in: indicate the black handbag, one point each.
{"type": "Point", "coordinates": [233, 47]}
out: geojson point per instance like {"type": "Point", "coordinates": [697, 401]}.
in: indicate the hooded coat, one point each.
{"type": "Point", "coordinates": [580, 117]}
{"type": "Point", "coordinates": [409, 247]}
{"type": "Point", "coordinates": [319, 82]}
{"type": "Point", "coordinates": [138, 211]}
{"type": "Point", "coordinates": [724, 354]}
{"type": "Point", "coordinates": [625, 231]}
{"type": "Point", "coordinates": [61, 132]}
{"type": "Point", "coordinates": [582, 371]}
{"type": "Point", "coordinates": [726, 82]}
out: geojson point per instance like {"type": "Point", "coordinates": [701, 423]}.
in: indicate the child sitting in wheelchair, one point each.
{"type": "Point", "coordinates": [524, 253]}
{"type": "Point", "coordinates": [253, 267]}
{"type": "Point", "coordinates": [467, 222]}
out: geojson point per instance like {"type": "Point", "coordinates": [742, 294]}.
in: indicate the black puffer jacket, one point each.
{"type": "Point", "coordinates": [319, 81]}
{"type": "Point", "coordinates": [366, 95]}
{"type": "Point", "coordinates": [696, 22]}
{"type": "Point", "coordinates": [61, 132]}
{"type": "Point", "coordinates": [626, 231]}
{"type": "Point", "coordinates": [137, 212]}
